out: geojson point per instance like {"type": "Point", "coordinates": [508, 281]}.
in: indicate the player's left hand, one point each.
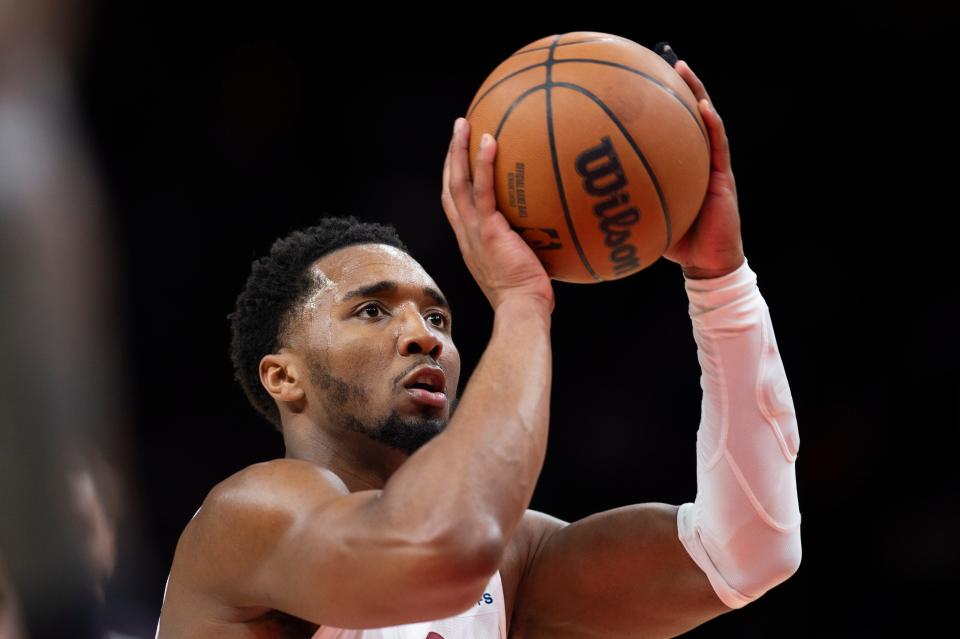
{"type": "Point", "coordinates": [713, 246]}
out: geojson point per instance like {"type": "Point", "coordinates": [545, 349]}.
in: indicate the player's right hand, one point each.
{"type": "Point", "coordinates": [500, 261]}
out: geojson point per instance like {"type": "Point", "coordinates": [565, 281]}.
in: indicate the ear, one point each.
{"type": "Point", "coordinates": [280, 375]}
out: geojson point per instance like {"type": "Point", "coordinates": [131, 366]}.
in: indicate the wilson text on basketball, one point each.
{"type": "Point", "coordinates": [603, 177]}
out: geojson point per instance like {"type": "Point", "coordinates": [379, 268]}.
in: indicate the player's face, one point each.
{"type": "Point", "coordinates": [377, 341]}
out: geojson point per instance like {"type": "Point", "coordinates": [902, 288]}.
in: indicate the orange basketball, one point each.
{"type": "Point", "coordinates": [602, 160]}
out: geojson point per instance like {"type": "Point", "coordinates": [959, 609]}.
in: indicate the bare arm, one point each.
{"type": "Point", "coordinates": [619, 573]}
{"type": "Point", "coordinates": [286, 535]}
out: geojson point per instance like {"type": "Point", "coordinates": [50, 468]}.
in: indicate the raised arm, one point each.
{"type": "Point", "coordinates": [287, 535]}
{"type": "Point", "coordinates": [658, 570]}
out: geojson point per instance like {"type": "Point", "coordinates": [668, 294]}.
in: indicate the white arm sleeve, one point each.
{"type": "Point", "coordinates": [743, 529]}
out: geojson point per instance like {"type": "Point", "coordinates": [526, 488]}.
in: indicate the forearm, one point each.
{"type": "Point", "coordinates": [480, 473]}
{"type": "Point", "coordinates": [743, 529]}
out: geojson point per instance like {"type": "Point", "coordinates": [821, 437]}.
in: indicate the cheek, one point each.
{"type": "Point", "coordinates": [450, 360]}
{"type": "Point", "coordinates": [361, 361]}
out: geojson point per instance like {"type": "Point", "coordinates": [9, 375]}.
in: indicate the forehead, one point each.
{"type": "Point", "coordinates": [359, 265]}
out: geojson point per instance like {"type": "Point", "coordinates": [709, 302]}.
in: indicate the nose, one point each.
{"type": "Point", "coordinates": [416, 337]}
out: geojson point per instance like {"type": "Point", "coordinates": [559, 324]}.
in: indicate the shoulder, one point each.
{"type": "Point", "coordinates": [274, 478]}
{"type": "Point", "coordinates": [252, 509]}
{"type": "Point", "coordinates": [272, 486]}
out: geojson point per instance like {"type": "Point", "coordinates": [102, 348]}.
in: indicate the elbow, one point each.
{"type": "Point", "coordinates": [749, 577]}
{"type": "Point", "coordinates": [790, 560]}
{"type": "Point", "coordinates": [466, 557]}
{"type": "Point", "coordinates": [483, 553]}
{"type": "Point", "coordinates": [778, 566]}
{"type": "Point", "coordinates": [784, 558]}
{"type": "Point", "coordinates": [476, 548]}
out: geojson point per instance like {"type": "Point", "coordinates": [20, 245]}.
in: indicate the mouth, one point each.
{"type": "Point", "coordinates": [427, 385]}
{"type": "Point", "coordinates": [428, 398]}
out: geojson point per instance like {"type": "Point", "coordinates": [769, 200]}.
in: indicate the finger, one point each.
{"type": "Point", "coordinates": [699, 91]}
{"type": "Point", "coordinates": [461, 187]}
{"type": "Point", "coordinates": [449, 208]}
{"type": "Point", "coordinates": [446, 165]}
{"type": "Point", "coordinates": [484, 195]}
{"type": "Point", "coordinates": [719, 144]}
{"type": "Point", "coordinates": [449, 159]}
{"type": "Point", "coordinates": [445, 186]}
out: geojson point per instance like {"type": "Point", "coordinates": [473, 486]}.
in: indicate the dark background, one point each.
{"type": "Point", "coordinates": [216, 131]}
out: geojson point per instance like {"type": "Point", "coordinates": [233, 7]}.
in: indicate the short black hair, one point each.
{"type": "Point", "coordinates": [278, 284]}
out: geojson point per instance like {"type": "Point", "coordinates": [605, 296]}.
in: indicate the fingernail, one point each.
{"type": "Point", "coordinates": [456, 126]}
{"type": "Point", "coordinates": [485, 140]}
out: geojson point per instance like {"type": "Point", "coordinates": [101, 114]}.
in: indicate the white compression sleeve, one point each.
{"type": "Point", "coordinates": [743, 529]}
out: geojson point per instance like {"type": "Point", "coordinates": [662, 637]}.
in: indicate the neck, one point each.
{"type": "Point", "coordinates": [362, 464]}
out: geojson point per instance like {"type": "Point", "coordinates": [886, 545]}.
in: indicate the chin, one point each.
{"type": "Point", "coordinates": [407, 433]}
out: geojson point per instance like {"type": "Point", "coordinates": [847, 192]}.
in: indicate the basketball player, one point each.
{"type": "Point", "coordinates": [394, 516]}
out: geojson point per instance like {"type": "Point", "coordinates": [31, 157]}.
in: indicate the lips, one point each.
{"type": "Point", "coordinates": [429, 378]}
{"type": "Point", "coordinates": [427, 385]}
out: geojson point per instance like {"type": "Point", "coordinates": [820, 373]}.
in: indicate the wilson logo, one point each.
{"type": "Point", "coordinates": [603, 178]}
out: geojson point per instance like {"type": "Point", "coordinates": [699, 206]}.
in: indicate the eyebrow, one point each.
{"type": "Point", "coordinates": [391, 286]}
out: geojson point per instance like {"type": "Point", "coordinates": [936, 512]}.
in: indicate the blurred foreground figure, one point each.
{"type": "Point", "coordinates": [59, 385]}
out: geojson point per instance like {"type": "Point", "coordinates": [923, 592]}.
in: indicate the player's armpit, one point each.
{"type": "Point", "coordinates": [286, 535]}
{"type": "Point", "coordinates": [623, 572]}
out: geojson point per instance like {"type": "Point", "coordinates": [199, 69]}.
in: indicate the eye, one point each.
{"type": "Point", "coordinates": [437, 319]}
{"type": "Point", "coordinates": [371, 311]}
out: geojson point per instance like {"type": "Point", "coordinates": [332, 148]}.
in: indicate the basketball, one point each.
{"type": "Point", "coordinates": [603, 159]}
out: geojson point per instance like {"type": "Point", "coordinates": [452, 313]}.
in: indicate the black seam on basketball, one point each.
{"type": "Point", "coordinates": [532, 66]}
{"type": "Point", "coordinates": [626, 134]}
{"type": "Point", "coordinates": [648, 77]}
{"type": "Point", "coordinates": [556, 171]}
{"type": "Point", "coordinates": [565, 44]}
{"type": "Point", "coordinates": [501, 81]}
{"type": "Point", "coordinates": [523, 96]}
{"type": "Point", "coordinates": [606, 63]}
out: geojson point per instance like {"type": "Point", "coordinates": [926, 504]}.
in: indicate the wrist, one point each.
{"type": "Point", "coordinates": [697, 273]}
{"type": "Point", "coordinates": [524, 306]}
{"type": "Point", "coordinates": [722, 299]}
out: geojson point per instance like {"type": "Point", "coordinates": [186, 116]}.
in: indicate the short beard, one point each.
{"type": "Point", "coordinates": [404, 433]}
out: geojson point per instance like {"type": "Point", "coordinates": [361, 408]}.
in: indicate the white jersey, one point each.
{"type": "Point", "coordinates": [487, 619]}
